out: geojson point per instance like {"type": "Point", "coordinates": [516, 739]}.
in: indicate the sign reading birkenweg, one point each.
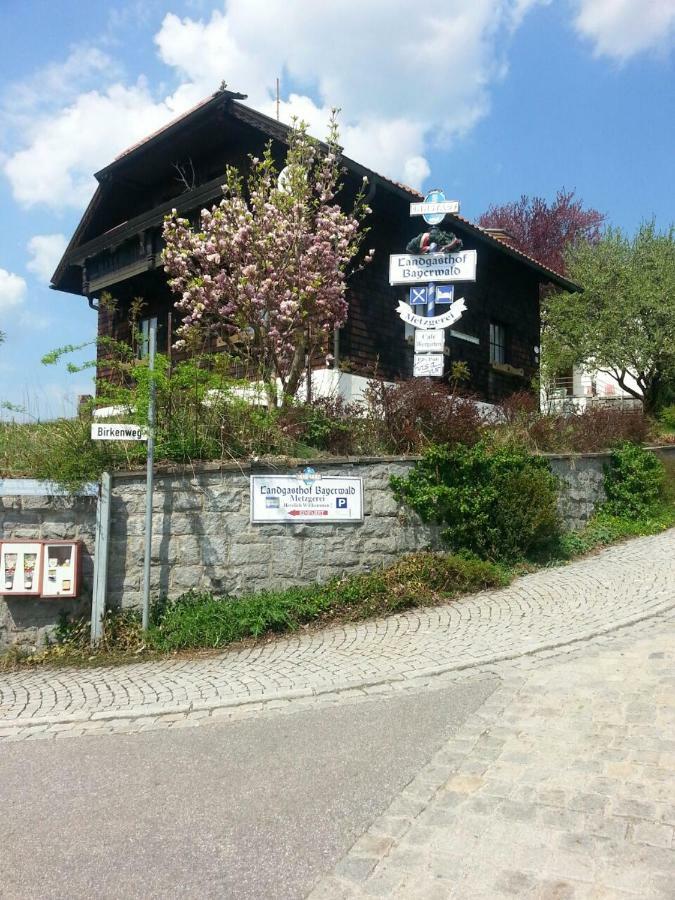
{"type": "Point", "coordinates": [105, 431]}
{"type": "Point", "coordinates": [408, 268]}
{"type": "Point", "coordinates": [306, 497]}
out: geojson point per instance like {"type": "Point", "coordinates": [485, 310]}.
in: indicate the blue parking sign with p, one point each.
{"type": "Point", "coordinates": [341, 502]}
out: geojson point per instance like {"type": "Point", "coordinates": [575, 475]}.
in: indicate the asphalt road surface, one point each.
{"type": "Point", "coordinates": [258, 808]}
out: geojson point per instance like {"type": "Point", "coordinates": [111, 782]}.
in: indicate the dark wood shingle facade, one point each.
{"type": "Point", "coordinates": [117, 248]}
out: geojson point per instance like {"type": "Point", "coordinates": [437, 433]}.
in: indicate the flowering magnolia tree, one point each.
{"type": "Point", "coordinates": [266, 269]}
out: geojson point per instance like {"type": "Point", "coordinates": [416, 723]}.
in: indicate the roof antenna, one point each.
{"type": "Point", "coordinates": [277, 99]}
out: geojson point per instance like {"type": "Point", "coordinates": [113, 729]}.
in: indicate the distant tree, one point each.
{"type": "Point", "coordinates": [266, 269]}
{"type": "Point", "coordinates": [623, 322]}
{"type": "Point", "coordinates": [544, 231]}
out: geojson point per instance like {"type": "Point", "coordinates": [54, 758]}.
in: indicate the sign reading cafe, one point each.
{"type": "Point", "coordinates": [306, 497]}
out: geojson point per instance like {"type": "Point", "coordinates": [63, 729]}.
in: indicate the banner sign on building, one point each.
{"type": "Point", "coordinates": [408, 314]}
{"type": "Point", "coordinates": [408, 268]}
{"type": "Point", "coordinates": [107, 431]}
{"type": "Point", "coordinates": [428, 365]}
{"type": "Point", "coordinates": [306, 497]}
{"type": "Point", "coordinates": [430, 340]}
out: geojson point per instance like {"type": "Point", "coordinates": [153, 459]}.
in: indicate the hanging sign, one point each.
{"type": "Point", "coordinates": [407, 268]}
{"type": "Point", "coordinates": [430, 340]}
{"type": "Point", "coordinates": [427, 322]}
{"type": "Point", "coordinates": [306, 497]}
{"type": "Point", "coordinates": [105, 431]}
{"type": "Point", "coordinates": [428, 365]}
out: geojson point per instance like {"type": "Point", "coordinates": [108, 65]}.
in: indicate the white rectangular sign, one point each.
{"type": "Point", "coordinates": [306, 498]}
{"type": "Point", "coordinates": [429, 365]}
{"type": "Point", "coordinates": [108, 431]}
{"type": "Point", "coordinates": [406, 268]}
{"type": "Point", "coordinates": [443, 206]}
{"type": "Point", "coordinates": [429, 341]}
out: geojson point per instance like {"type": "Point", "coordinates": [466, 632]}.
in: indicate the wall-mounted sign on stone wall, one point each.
{"type": "Point", "coordinates": [306, 497]}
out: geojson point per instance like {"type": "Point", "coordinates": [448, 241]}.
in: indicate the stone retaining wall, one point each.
{"type": "Point", "coordinates": [27, 620]}
{"type": "Point", "coordinates": [203, 539]}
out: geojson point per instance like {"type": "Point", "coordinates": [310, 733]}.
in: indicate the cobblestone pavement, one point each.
{"type": "Point", "coordinates": [551, 608]}
{"type": "Point", "coordinates": [560, 786]}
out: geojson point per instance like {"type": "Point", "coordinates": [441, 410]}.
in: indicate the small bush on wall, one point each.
{"type": "Point", "coordinates": [634, 481]}
{"type": "Point", "coordinates": [498, 502]}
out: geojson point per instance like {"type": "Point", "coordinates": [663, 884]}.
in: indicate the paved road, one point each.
{"type": "Point", "coordinates": [550, 608]}
{"type": "Point", "coordinates": [251, 809]}
{"type": "Point", "coordinates": [560, 787]}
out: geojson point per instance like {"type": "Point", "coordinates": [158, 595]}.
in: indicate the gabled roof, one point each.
{"type": "Point", "coordinates": [78, 249]}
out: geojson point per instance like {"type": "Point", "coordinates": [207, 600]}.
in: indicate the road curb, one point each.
{"type": "Point", "coordinates": [263, 700]}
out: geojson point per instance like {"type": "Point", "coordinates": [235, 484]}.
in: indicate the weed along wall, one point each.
{"type": "Point", "coordinates": [203, 536]}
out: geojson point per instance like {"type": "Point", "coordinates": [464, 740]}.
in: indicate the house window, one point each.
{"type": "Point", "coordinates": [497, 343]}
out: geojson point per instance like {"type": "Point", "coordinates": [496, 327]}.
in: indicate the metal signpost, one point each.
{"type": "Point", "coordinates": [106, 431]}
{"type": "Point", "coordinates": [437, 260]}
{"type": "Point", "coordinates": [152, 345]}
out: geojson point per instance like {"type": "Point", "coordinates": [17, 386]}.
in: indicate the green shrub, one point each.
{"type": "Point", "coordinates": [667, 417]}
{"type": "Point", "coordinates": [634, 481]}
{"type": "Point", "coordinates": [496, 502]}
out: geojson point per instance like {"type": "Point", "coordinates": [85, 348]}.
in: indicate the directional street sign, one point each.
{"type": "Point", "coordinates": [104, 431]}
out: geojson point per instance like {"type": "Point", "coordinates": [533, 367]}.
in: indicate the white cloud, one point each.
{"type": "Point", "coordinates": [405, 81]}
{"type": "Point", "coordinates": [623, 28]}
{"type": "Point", "coordinates": [56, 167]}
{"type": "Point", "coordinates": [12, 290]}
{"type": "Point", "coordinates": [45, 252]}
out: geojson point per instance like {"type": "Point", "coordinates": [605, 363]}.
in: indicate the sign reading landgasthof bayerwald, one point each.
{"type": "Point", "coordinates": [306, 497]}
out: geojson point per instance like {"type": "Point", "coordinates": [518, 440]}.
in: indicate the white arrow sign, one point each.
{"type": "Point", "coordinates": [407, 268]}
{"type": "Point", "coordinates": [408, 315]}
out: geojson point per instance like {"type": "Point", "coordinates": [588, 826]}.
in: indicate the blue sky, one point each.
{"type": "Point", "coordinates": [487, 100]}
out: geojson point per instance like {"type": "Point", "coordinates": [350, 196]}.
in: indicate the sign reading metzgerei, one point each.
{"type": "Point", "coordinates": [108, 431]}
{"type": "Point", "coordinates": [408, 268]}
{"type": "Point", "coordinates": [306, 497]}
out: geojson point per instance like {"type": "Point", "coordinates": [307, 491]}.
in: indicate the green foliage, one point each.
{"type": "Point", "coordinates": [198, 619]}
{"type": "Point", "coordinates": [202, 620]}
{"type": "Point", "coordinates": [624, 319]}
{"type": "Point", "coordinates": [497, 502]}
{"type": "Point", "coordinates": [634, 481]}
{"type": "Point", "coordinates": [667, 417]}
{"type": "Point", "coordinates": [62, 452]}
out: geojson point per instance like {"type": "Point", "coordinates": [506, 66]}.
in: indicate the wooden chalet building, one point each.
{"type": "Point", "coordinates": [117, 248]}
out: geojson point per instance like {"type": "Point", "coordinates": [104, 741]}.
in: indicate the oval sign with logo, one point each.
{"type": "Point", "coordinates": [434, 218]}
